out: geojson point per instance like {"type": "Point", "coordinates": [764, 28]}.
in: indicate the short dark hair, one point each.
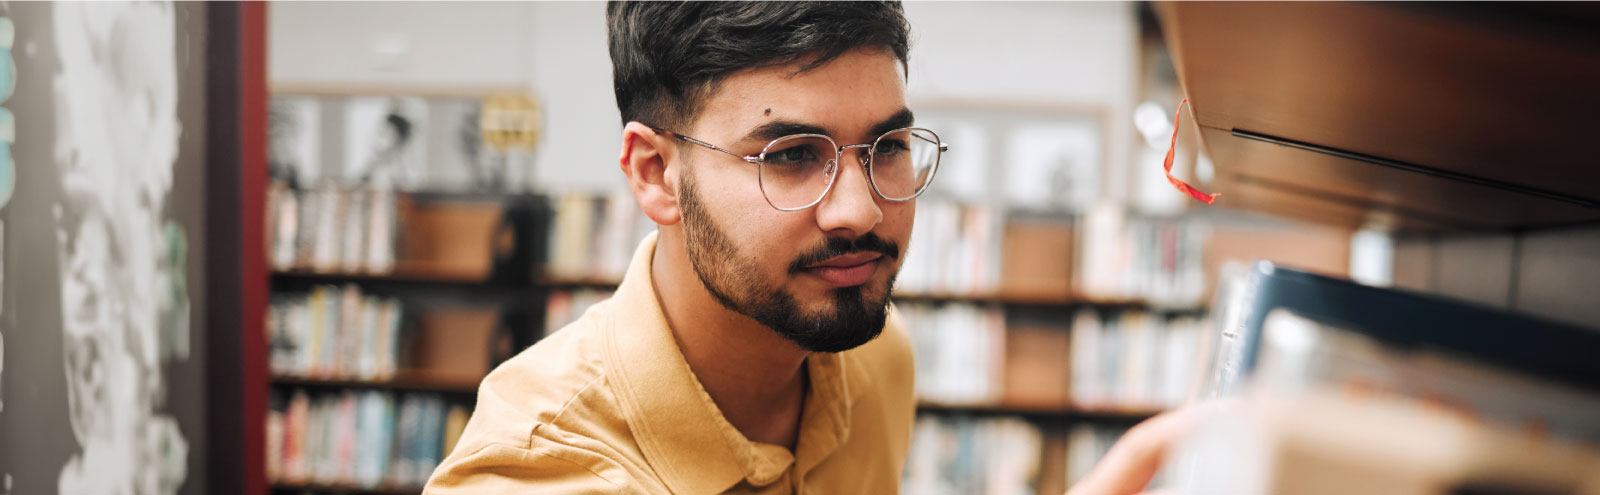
{"type": "Point", "coordinates": [666, 57]}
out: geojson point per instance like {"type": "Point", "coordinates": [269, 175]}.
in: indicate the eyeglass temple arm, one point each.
{"type": "Point", "coordinates": [712, 147]}
{"type": "Point", "coordinates": [943, 147]}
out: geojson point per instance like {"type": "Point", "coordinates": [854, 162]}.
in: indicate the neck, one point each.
{"type": "Point", "coordinates": [755, 376]}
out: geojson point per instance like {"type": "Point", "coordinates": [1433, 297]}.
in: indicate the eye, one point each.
{"type": "Point", "coordinates": [794, 155]}
{"type": "Point", "coordinates": [890, 146]}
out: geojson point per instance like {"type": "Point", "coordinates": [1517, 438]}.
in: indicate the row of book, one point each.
{"type": "Point", "coordinates": [366, 439]}
{"type": "Point", "coordinates": [331, 229]}
{"type": "Point", "coordinates": [960, 352]}
{"type": "Point", "coordinates": [593, 236]}
{"type": "Point", "coordinates": [1125, 359]}
{"type": "Point", "coordinates": [958, 455]}
{"type": "Point", "coordinates": [1134, 359]}
{"type": "Point", "coordinates": [334, 332]}
{"type": "Point", "coordinates": [955, 248]}
{"type": "Point", "coordinates": [1005, 455]}
{"type": "Point", "coordinates": [565, 306]}
{"type": "Point", "coordinates": [1156, 260]}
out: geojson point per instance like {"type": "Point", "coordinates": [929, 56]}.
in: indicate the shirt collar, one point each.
{"type": "Point", "coordinates": [684, 437]}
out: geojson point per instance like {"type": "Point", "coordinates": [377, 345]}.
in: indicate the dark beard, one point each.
{"type": "Point", "coordinates": [735, 282]}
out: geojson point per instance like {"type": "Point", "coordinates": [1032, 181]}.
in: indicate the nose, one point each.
{"type": "Point", "coordinates": [850, 208]}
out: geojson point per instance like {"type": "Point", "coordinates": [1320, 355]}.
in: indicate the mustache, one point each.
{"type": "Point", "coordinates": [840, 246]}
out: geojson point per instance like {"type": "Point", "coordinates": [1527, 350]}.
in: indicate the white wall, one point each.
{"type": "Point", "coordinates": [1003, 53]}
{"type": "Point", "coordinates": [1039, 54]}
{"type": "Point", "coordinates": [572, 78]}
{"type": "Point", "coordinates": [438, 46]}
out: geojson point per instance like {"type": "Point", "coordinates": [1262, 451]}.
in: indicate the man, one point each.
{"type": "Point", "coordinates": [749, 348]}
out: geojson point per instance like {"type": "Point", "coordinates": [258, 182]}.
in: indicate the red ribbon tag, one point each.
{"type": "Point", "coordinates": [1182, 186]}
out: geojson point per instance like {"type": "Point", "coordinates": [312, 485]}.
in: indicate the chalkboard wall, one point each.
{"type": "Point", "coordinates": [102, 217]}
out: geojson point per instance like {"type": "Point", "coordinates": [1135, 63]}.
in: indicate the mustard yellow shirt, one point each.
{"type": "Point", "coordinates": [607, 405]}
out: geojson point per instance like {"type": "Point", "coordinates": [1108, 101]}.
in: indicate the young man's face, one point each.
{"type": "Point", "coordinates": [820, 276]}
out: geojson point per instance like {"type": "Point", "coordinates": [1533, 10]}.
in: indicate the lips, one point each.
{"type": "Point", "coordinates": [846, 271]}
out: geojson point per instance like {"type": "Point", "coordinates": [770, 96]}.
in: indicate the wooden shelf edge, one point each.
{"type": "Point", "coordinates": [395, 276]}
{"type": "Point", "coordinates": [570, 282]}
{"type": "Point", "coordinates": [1114, 414]}
{"type": "Point", "coordinates": [1004, 298]}
{"type": "Point", "coordinates": [349, 489]}
{"type": "Point", "coordinates": [415, 382]}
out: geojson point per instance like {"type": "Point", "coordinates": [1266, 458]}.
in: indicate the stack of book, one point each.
{"type": "Point", "coordinates": [954, 249]}
{"type": "Point", "coordinates": [364, 439]}
{"type": "Point", "coordinates": [331, 229]}
{"type": "Point", "coordinates": [1351, 388]}
{"type": "Point", "coordinates": [1109, 359]}
{"type": "Point", "coordinates": [593, 236]}
{"type": "Point", "coordinates": [334, 332]}
{"type": "Point", "coordinates": [1135, 359]}
{"type": "Point", "coordinates": [1158, 261]}
{"type": "Point", "coordinates": [960, 352]}
{"type": "Point", "coordinates": [963, 455]}
{"type": "Point", "coordinates": [565, 306]}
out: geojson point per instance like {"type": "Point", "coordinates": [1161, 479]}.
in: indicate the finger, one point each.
{"type": "Point", "coordinates": [1130, 464]}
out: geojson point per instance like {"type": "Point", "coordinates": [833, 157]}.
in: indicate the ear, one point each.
{"type": "Point", "coordinates": [645, 155]}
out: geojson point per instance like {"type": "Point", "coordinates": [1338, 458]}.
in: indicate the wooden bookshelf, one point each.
{"type": "Point", "coordinates": [564, 282]}
{"type": "Point", "coordinates": [1129, 415]}
{"type": "Point", "coordinates": [1002, 298]}
{"type": "Point", "coordinates": [1349, 113]}
{"type": "Point", "coordinates": [412, 276]}
{"type": "Point", "coordinates": [1024, 299]}
{"type": "Point", "coordinates": [405, 382]}
{"type": "Point", "coordinates": [418, 279]}
{"type": "Point", "coordinates": [346, 489]}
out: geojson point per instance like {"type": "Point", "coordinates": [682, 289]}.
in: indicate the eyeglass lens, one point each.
{"type": "Point", "coordinates": [797, 170]}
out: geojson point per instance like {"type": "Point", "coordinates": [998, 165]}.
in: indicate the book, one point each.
{"type": "Point", "coordinates": [334, 332]}
{"type": "Point", "coordinates": [959, 350]}
{"type": "Point", "coordinates": [331, 229]}
{"type": "Point", "coordinates": [1290, 330]}
{"type": "Point", "coordinates": [360, 439]}
{"type": "Point", "coordinates": [565, 306]}
{"type": "Point", "coordinates": [1156, 260]}
{"type": "Point", "coordinates": [961, 455]}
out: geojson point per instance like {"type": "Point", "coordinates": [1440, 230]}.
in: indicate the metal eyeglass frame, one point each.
{"type": "Point", "coordinates": [866, 162]}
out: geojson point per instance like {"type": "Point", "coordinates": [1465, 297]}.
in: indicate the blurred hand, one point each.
{"type": "Point", "coordinates": [1136, 457]}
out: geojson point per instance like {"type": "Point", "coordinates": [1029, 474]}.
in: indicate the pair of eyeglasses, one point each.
{"type": "Point", "coordinates": [796, 172]}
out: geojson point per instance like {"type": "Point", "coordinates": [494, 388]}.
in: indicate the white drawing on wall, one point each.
{"type": "Point", "coordinates": [124, 306]}
{"type": "Point", "coordinates": [294, 127]}
{"type": "Point", "coordinates": [385, 141]}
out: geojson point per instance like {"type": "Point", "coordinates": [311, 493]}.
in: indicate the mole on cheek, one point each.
{"type": "Point", "coordinates": [768, 112]}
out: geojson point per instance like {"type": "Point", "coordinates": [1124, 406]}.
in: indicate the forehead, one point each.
{"type": "Point", "coordinates": [847, 96]}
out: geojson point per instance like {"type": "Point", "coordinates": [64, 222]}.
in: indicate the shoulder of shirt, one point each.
{"type": "Point", "coordinates": [550, 404]}
{"type": "Point", "coordinates": [557, 374]}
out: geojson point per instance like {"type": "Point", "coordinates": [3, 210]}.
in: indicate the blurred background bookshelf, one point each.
{"type": "Point", "coordinates": [342, 214]}
{"type": "Point", "coordinates": [1056, 289]}
{"type": "Point", "coordinates": [1054, 300]}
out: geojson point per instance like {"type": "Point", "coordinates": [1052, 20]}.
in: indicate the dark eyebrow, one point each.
{"type": "Point", "coordinates": [780, 128]}
{"type": "Point", "coordinates": [900, 119]}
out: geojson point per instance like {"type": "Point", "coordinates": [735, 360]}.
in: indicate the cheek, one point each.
{"type": "Point", "coordinates": [898, 220]}
{"type": "Point", "coordinates": [761, 234]}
